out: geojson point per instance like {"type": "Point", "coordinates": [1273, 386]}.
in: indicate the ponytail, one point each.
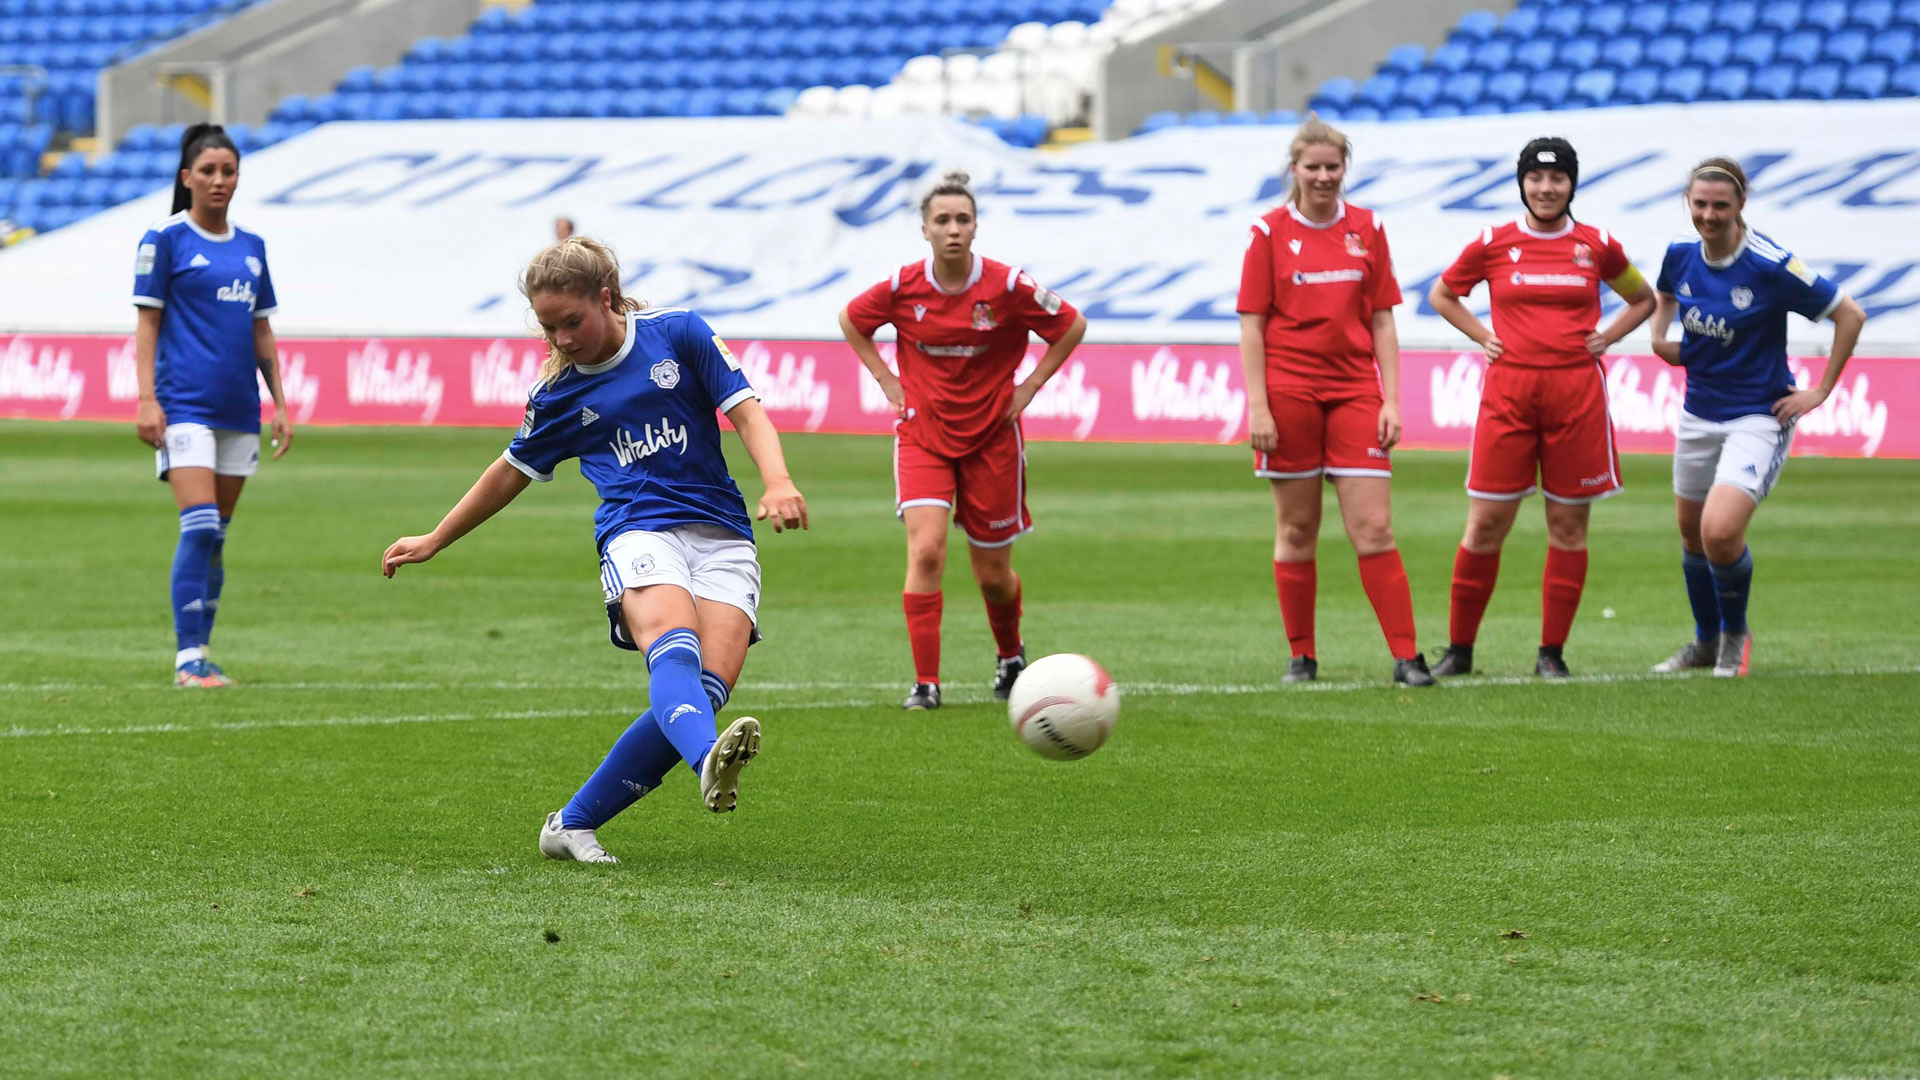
{"type": "Point", "coordinates": [576, 266]}
{"type": "Point", "coordinates": [198, 139]}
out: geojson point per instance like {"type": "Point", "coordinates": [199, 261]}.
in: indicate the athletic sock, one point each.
{"type": "Point", "coordinates": [718, 692]}
{"type": "Point", "coordinates": [1560, 587]}
{"type": "Point", "coordinates": [216, 577]}
{"type": "Point", "coordinates": [679, 699]}
{"type": "Point", "coordinates": [1004, 619]}
{"type": "Point", "coordinates": [1701, 596]}
{"type": "Point", "coordinates": [1384, 577]}
{"type": "Point", "coordinates": [1474, 575]}
{"type": "Point", "coordinates": [1296, 583]}
{"type": "Point", "coordinates": [199, 526]}
{"type": "Point", "coordinates": [1732, 584]}
{"type": "Point", "coordinates": [923, 633]}
{"type": "Point", "coordinates": [640, 757]}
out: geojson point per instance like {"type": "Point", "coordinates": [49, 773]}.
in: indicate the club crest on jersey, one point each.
{"type": "Point", "coordinates": [1294, 246]}
{"type": "Point", "coordinates": [919, 312]}
{"type": "Point", "coordinates": [1355, 246]}
{"type": "Point", "coordinates": [253, 266]}
{"type": "Point", "coordinates": [1513, 253]}
{"type": "Point", "coordinates": [665, 374]}
{"type": "Point", "coordinates": [1583, 256]}
{"type": "Point", "coordinates": [983, 316]}
{"type": "Point", "coordinates": [1742, 297]}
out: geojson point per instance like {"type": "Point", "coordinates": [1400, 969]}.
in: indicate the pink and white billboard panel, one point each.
{"type": "Point", "coordinates": [1106, 393]}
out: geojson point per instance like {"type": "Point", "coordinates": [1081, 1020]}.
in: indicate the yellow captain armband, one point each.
{"type": "Point", "coordinates": [1629, 283]}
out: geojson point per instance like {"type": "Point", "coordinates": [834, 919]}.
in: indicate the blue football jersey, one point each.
{"type": "Point", "coordinates": [1734, 317]}
{"type": "Point", "coordinates": [644, 427]}
{"type": "Point", "coordinates": [210, 288]}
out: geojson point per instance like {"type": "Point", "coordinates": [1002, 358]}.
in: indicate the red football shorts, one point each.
{"type": "Point", "coordinates": [986, 489]}
{"type": "Point", "coordinates": [1546, 422]}
{"type": "Point", "coordinates": [1323, 434]}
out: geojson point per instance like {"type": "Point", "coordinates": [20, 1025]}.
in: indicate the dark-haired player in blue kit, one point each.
{"type": "Point", "coordinates": [1732, 291]}
{"type": "Point", "coordinates": [632, 392]}
{"type": "Point", "coordinates": [202, 347]}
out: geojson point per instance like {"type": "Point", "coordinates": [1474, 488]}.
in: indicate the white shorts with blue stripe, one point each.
{"type": "Point", "coordinates": [1746, 452]}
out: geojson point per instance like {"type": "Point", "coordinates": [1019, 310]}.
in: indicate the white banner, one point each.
{"type": "Point", "coordinates": [769, 226]}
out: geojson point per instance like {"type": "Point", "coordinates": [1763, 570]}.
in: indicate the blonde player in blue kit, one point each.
{"type": "Point", "coordinates": [202, 346]}
{"type": "Point", "coordinates": [1733, 290]}
{"type": "Point", "coordinates": [632, 392]}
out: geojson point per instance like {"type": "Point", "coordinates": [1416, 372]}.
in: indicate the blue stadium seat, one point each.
{"type": "Point", "coordinates": [1907, 13]}
{"type": "Point", "coordinates": [1622, 54]}
{"type": "Point", "coordinates": [129, 189]}
{"type": "Point", "coordinates": [1736, 16]}
{"type": "Point", "coordinates": [1729, 83]}
{"type": "Point", "coordinates": [1867, 80]}
{"type": "Point", "coordinates": [356, 79]}
{"type": "Point", "coordinates": [1451, 57]}
{"type": "Point", "coordinates": [71, 167]}
{"type": "Point", "coordinates": [1462, 88]}
{"type": "Point", "coordinates": [1236, 118]}
{"type": "Point", "coordinates": [1757, 48]}
{"type": "Point", "coordinates": [1476, 26]}
{"type": "Point", "coordinates": [1579, 54]}
{"type": "Point", "coordinates": [1404, 59]}
{"type": "Point", "coordinates": [1443, 109]}
{"type": "Point", "coordinates": [1637, 87]}
{"type": "Point", "coordinates": [1711, 50]}
{"type": "Point", "coordinates": [1825, 14]}
{"type": "Point", "coordinates": [1203, 118]}
{"type": "Point", "coordinates": [1781, 15]}
{"type": "Point", "coordinates": [1506, 88]}
{"type": "Point", "coordinates": [1562, 22]}
{"type": "Point", "coordinates": [1593, 87]}
{"type": "Point", "coordinates": [1360, 112]}
{"type": "Point", "coordinates": [1817, 82]}
{"type": "Point", "coordinates": [1799, 47]}
{"type": "Point", "coordinates": [1605, 20]}
{"type": "Point", "coordinates": [1550, 89]}
{"type": "Point", "coordinates": [1773, 82]}
{"type": "Point", "coordinates": [1870, 15]}
{"type": "Point", "coordinates": [1682, 84]}
{"type": "Point", "coordinates": [1157, 121]}
{"type": "Point", "coordinates": [1398, 113]}
{"type": "Point", "coordinates": [1667, 50]}
{"type": "Point", "coordinates": [1381, 89]}
{"type": "Point", "coordinates": [1492, 56]}
{"type": "Point", "coordinates": [1335, 93]}
{"type": "Point", "coordinates": [1895, 46]}
{"type": "Point", "coordinates": [1906, 81]}
{"type": "Point", "coordinates": [1420, 91]}
{"type": "Point", "coordinates": [1539, 54]}
{"type": "Point", "coordinates": [1287, 117]}
{"type": "Point", "coordinates": [1521, 24]}
{"type": "Point", "coordinates": [1846, 47]}
{"type": "Point", "coordinates": [1693, 17]}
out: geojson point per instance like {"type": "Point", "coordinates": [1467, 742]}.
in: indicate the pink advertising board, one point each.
{"type": "Point", "coordinates": [1110, 393]}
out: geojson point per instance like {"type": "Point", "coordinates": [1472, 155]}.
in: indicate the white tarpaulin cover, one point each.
{"type": "Point", "coordinates": [769, 226]}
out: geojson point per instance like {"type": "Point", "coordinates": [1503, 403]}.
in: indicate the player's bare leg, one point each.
{"type": "Point", "coordinates": [926, 564]}
{"type": "Point", "coordinates": [1488, 523]}
{"type": "Point", "coordinates": [1366, 509]}
{"type": "Point", "coordinates": [1723, 534]}
{"type": "Point", "coordinates": [1000, 588]}
{"type": "Point", "coordinates": [1565, 579]}
{"type": "Point", "coordinates": [1296, 538]}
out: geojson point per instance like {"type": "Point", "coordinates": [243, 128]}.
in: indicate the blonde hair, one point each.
{"type": "Point", "coordinates": [1315, 132]}
{"type": "Point", "coordinates": [955, 182]}
{"type": "Point", "coordinates": [576, 266]}
{"type": "Point", "coordinates": [1725, 170]}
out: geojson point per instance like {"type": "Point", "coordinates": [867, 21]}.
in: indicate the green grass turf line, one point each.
{"type": "Point", "coordinates": [330, 870]}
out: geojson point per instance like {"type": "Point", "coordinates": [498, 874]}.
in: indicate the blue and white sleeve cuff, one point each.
{"type": "Point", "coordinates": [148, 301]}
{"type": "Point", "coordinates": [525, 468]}
{"type": "Point", "coordinates": [727, 405]}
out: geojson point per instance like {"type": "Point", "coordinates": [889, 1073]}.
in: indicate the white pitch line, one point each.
{"type": "Point", "coordinates": [637, 685]}
{"type": "Point", "coordinates": [312, 722]}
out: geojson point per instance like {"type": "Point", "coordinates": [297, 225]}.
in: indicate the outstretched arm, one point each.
{"type": "Point", "coordinates": [783, 505]}
{"type": "Point", "coordinates": [490, 494]}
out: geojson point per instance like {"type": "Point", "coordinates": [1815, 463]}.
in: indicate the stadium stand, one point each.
{"type": "Point", "coordinates": [1561, 54]}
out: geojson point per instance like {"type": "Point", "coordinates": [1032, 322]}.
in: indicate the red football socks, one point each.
{"type": "Point", "coordinates": [1384, 577]}
{"type": "Point", "coordinates": [1295, 582]}
{"type": "Point", "coordinates": [1005, 621]}
{"type": "Point", "coordinates": [1560, 588]}
{"type": "Point", "coordinates": [1473, 578]}
{"type": "Point", "coordinates": [923, 633]}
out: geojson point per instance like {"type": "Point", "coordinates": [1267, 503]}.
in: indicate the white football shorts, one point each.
{"type": "Point", "coordinates": [197, 446]}
{"type": "Point", "coordinates": [1747, 452]}
{"type": "Point", "coordinates": [709, 562]}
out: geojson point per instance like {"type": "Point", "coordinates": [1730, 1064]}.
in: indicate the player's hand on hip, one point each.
{"type": "Point", "coordinates": [405, 550]}
{"type": "Point", "coordinates": [1022, 397]}
{"type": "Point", "coordinates": [282, 435]}
{"type": "Point", "coordinates": [1388, 426]}
{"type": "Point", "coordinates": [150, 424]}
{"type": "Point", "coordinates": [1798, 404]}
{"type": "Point", "coordinates": [1597, 344]}
{"type": "Point", "coordinates": [1494, 348]}
{"type": "Point", "coordinates": [783, 507]}
{"type": "Point", "coordinates": [1265, 435]}
{"type": "Point", "coordinates": [1668, 351]}
{"type": "Point", "coordinates": [896, 395]}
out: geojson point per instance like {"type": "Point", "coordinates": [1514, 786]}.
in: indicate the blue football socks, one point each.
{"type": "Point", "coordinates": [216, 577]}
{"type": "Point", "coordinates": [1732, 584]}
{"type": "Point", "coordinates": [1701, 595]}
{"type": "Point", "coordinates": [640, 758]}
{"type": "Point", "coordinates": [679, 696]}
{"type": "Point", "coordinates": [199, 532]}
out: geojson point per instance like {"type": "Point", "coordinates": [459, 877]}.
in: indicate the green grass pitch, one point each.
{"type": "Point", "coordinates": [331, 870]}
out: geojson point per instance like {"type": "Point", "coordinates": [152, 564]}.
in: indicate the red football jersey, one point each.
{"type": "Point", "coordinates": [1318, 284]}
{"type": "Point", "coordinates": [1545, 287]}
{"type": "Point", "coordinates": [957, 351]}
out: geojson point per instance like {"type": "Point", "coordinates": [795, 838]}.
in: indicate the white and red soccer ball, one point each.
{"type": "Point", "coordinates": [1064, 706]}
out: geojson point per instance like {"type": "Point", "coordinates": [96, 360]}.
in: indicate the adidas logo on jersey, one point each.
{"type": "Point", "coordinates": [588, 416]}
{"type": "Point", "coordinates": [199, 260]}
{"type": "Point", "coordinates": [1685, 290]}
{"type": "Point", "coordinates": [240, 292]}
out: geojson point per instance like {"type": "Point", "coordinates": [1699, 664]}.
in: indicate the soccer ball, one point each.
{"type": "Point", "coordinates": [1064, 706]}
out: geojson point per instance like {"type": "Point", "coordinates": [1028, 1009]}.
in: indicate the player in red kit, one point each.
{"type": "Point", "coordinates": [1543, 422]}
{"type": "Point", "coordinates": [961, 322]}
{"type": "Point", "coordinates": [1322, 363]}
